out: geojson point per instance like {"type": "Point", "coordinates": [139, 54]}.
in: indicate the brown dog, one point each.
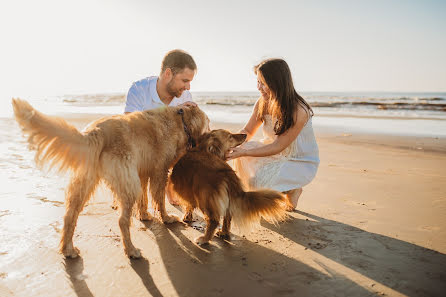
{"type": "Point", "coordinates": [202, 179]}
{"type": "Point", "coordinates": [123, 150]}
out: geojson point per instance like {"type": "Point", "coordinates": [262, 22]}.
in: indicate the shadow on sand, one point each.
{"type": "Point", "coordinates": [402, 266]}
{"type": "Point", "coordinates": [141, 267]}
{"type": "Point", "coordinates": [239, 268]}
{"type": "Point", "coordinates": [75, 268]}
{"type": "Point", "coordinates": [244, 268]}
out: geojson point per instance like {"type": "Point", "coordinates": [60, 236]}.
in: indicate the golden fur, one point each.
{"type": "Point", "coordinates": [123, 150]}
{"type": "Point", "coordinates": [202, 179]}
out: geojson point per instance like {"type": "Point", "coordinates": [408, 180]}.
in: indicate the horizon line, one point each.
{"type": "Point", "coordinates": [252, 91]}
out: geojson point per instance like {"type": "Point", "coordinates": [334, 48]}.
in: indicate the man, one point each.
{"type": "Point", "coordinates": [170, 88]}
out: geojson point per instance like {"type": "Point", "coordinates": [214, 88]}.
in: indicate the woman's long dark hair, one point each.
{"type": "Point", "coordinates": [284, 100]}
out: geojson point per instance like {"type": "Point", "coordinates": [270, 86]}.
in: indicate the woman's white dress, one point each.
{"type": "Point", "coordinates": [293, 168]}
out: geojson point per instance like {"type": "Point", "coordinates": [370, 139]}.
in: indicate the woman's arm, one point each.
{"type": "Point", "coordinates": [253, 124]}
{"type": "Point", "coordinates": [282, 141]}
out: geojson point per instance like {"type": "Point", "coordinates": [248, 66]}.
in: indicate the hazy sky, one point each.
{"type": "Point", "coordinates": [74, 47]}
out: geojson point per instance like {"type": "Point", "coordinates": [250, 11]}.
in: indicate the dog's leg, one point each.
{"type": "Point", "coordinates": [171, 195]}
{"type": "Point", "coordinates": [211, 225]}
{"type": "Point", "coordinates": [127, 197]}
{"type": "Point", "coordinates": [124, 225]}
{"type": "Point", "coordinates": [188, 215]}
{"type": "Point", "coordinates": [158, 190]}
{"type": "Point", "coordinates": [77, 194]}
{"type": "Point", "coordinates": [126, 185]}
{"type": "Point", "coordinates": [225, 229]}
{"type": "Point", "coordinates": [143, 215]}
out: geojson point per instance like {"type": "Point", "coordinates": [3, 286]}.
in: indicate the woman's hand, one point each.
{"type": "Point", "coordinates": [235, 153]}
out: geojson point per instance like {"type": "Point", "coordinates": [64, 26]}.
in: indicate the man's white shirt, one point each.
{"type": "Point", "coordinates": [142, 95]}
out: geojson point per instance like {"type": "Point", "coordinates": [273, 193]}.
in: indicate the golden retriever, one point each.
{"type": "Point", "coordinates": [123, 150]}
{"type": "Point", "coordinates": [202, 179]}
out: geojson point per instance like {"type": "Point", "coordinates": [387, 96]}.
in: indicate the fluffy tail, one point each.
{"type": "Point", "coordinates": [58, 144]}
{"type": "Point", "coordinates": [268, 204]}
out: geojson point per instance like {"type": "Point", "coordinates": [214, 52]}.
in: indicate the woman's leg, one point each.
{"type": "Point", "coordinates": [293, 198]}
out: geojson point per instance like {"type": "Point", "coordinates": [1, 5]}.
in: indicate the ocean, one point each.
{"type": "Point", "coordinates": [418, 114]}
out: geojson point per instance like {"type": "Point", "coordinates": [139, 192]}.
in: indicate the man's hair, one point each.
{"type": "Point", "coordinates": [177, 60]}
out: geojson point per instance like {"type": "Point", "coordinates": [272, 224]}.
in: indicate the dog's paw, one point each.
{"type": "Point", "coordinates": [145, 216]}
{"type": "Point", "coordinates": [225, 236]}
{"type": "Point", "coordinates": [290, 208]}
{"type": "Point", "coordinates": [169, 219]}
{"type": "Point", "coordinates": [188, 217]}
{"type": "Point", "coordinates": [134, 253]}
{"type": "Point", "coordinates": [70, 252]}
{"type": "Point", "coordinates": [201, 240]}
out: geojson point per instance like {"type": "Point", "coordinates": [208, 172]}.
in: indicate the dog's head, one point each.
{"type": "Point", "coordinates": [196, 121]}
{"type": "Point", "coordinates": [220, 141]}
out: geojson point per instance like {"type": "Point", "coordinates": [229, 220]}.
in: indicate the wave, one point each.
{"type": "Point", "coordinates": [347, 104]}
{"type": "Point", "coordinates": [92, 99]}
{"type": "Point", "coordinates": [385, 106]}
{"type": "Point", "coordinates": [386, 101]}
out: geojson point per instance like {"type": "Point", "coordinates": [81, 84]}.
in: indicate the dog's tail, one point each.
{"type": "Point", "coordinates": [253, 205]}
{"type": "Point", "coordinates": [57, 143]}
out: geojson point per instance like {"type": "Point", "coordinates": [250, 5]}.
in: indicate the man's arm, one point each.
{"type": "Point", "coordinates": [134, 101]}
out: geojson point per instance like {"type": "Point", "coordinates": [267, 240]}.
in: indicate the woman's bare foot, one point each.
{"type": "Point", "coordinates": [293, 198]}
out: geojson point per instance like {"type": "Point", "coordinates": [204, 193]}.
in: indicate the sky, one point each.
{"type": "Point", "coordinates": [101, 46]}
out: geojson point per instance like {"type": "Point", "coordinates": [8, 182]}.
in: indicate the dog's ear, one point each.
{"type": "Point", "coordinates": [214, 147]}
{"type": "Point", "coordinates": [203, 138]}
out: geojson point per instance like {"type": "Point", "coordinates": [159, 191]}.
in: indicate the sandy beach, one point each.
{"type": "Point", "coordinates": [372, 223]}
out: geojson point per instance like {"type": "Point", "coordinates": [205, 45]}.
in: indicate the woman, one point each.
{"type": "Point", "coordinates": [288, 157]}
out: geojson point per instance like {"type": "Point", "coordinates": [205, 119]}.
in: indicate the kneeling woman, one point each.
{"type": "Point", "coordinates": [287, 158]}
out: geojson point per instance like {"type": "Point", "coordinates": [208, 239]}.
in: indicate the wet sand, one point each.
{"type": "Point", "coordinates": [373, 222]}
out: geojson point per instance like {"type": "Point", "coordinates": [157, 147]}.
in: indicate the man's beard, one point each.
{"type": "Point", "coordinates": [172, 91]}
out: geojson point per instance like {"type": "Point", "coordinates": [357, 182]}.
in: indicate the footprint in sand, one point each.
{"type": "Point", "coordinates": [17, 156]}
{"type": "Point", "coordinates": [45, 200]}
{"type": "Point", "coordinates": [317, 245]}
{"type": "Point", "coordinates": [56, 226]}
{"type": "Point", "coordinates": [428, 228]}
{"type": "Point", "coordinates": [198, 226]}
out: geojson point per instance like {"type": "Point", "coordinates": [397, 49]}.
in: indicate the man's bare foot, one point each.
{"type": "Point", "coordinates": [293, 198]}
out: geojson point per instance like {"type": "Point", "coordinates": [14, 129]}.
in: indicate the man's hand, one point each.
{"type": "Point", "coordinates": [188, 104]}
